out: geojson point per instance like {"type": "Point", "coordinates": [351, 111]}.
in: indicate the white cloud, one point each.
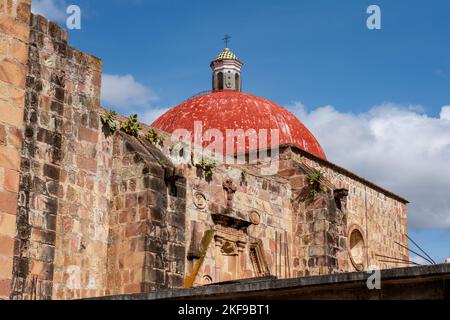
{"type": "Point", "coordinates": [445, 113]}
{"type": "Point", "coordinates": [126, 92]}
{"type": "Point", "coordinates": [151, 115]}
{"type": "Point", "coordinates": [52, 9]}
{"type": "Point", "coordinates": [396, 147]}
{"type": "Point", "coordinates": [125, 95]}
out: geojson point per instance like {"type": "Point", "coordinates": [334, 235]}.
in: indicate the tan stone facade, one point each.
{"type": "Point", "coordinates": [14, 37]}
{"type": "Point", "coordinates": [87, 213]}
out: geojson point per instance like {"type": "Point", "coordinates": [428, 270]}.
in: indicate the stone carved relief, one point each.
{"type": "Point", "coordinates": [207, 279]}
{"type": "Point", "coordinates": [229, 248]}
{"type": "Point", "coordinates": [230, 190]}
{"type": "Point", "coordinates": [199, 200]}
{"type": "Point", "coordinates": [233, 243]}
{"type": "Point", "coordinates": [255, 218]}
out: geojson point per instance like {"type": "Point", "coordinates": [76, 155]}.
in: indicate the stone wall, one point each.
{"type": "Point", "coordinates": [377, 214]}
{"type": "Point", "coordinates": [258, 244]}
{"type": "Point", "coordinates": [85, 180]}
{"type": "Point", "coordinates": [68, 243]}
{"type": "Point", "coordinates": [346, 227]}
{"type": "Point", "coordinates": [76, 238]}
{"type": "Point", "coordinates": [64, 175]}
{"type": "Point", "coordinates": [147, 222]}
{"type": "Point", "coordinates": [319, 223]}
{"type": "Point", "coordinates": [14, 37]}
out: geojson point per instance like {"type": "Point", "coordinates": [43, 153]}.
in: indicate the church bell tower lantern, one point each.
{"type": "Point", "coordinates": [226, 71]}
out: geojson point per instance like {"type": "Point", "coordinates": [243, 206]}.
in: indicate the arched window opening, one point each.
{"type": "Point", "coordinates": [237, 81]}
{"type": "Point", "coordinates": [356, 249]}
{"type": "Point", "coordinates": [220, 81]}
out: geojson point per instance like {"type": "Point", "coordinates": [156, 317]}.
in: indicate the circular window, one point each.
{"type": "Point", "coordinates": [356, 248]}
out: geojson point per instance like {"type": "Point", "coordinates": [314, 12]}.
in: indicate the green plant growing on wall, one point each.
{"type": "Point", "coordinates": [207, 167]}
{"type": "Point", "coordinates": [315, 183]}
{"type": "Point", "coordinates": [162, 163]}
{"type": "Point", "coordinates": [132, 126]}
{"type": "Point", "coordinates": [109, 120]}
{"type": "Point", "coordinates": [154, 137]}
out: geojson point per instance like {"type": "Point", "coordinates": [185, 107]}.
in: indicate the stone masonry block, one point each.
{"type": "Point", "coordinates": [12, 72]}
{"type": "Point", "coordinates": [7, 224]}
{"type": "Point", "coordinates": [11, 115]}
{"type": "Point", "coordinates": [11, 180]}
{"type": "Point", "coordinates": [18, 50]}
{"type": "Point", "coordinates": [5, 288]}
{"type": "Point", "coordinates": [6, 265]}
{"type": "Point", "coordinates": [14, 28]}
{"type": "Point", "coordinates": [88, 135]}
{"type": "Point", "coordinates": [6, 246]}
{"type": "Point", "coordinates": [8, 202]}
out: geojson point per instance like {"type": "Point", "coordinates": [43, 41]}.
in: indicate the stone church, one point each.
{"type": "Point", "coordinates": [93, 204]}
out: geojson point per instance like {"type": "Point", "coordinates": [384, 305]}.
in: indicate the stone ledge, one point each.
{"type": "Point", "coordinates": [258, 287]}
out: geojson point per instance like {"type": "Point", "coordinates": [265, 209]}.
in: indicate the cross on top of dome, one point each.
{"type": "Point", "coordinates": [226, 39]}
{"type": "Point", "coordinates": [226, 54]}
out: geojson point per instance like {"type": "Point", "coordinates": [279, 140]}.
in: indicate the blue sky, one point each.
{"type": "Point", "coordinates": [376, 99]}
{"type": "Point", "coordinates": [318, 50]}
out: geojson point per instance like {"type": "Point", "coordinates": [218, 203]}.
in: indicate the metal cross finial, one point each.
{"type": "Point", "coordinates": [226, 40]}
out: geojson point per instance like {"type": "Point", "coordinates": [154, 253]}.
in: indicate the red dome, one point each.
{"type": "Point", "coordinates": [236, 110]}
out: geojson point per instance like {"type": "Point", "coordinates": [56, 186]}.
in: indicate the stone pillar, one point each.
{"type": "Point", "coordinates": [14, 38]}
{"type": "Point", "coordinates": [62, 219]}
{"type": "Point", "coordinates": [147, 247]}
{"type": "Point", "coordinates": [322, 237]}
{"type": "Point", "coordinates": [320, 222]}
